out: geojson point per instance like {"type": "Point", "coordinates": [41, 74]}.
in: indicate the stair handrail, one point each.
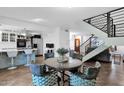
{"type": "Point", "coordinates": [87, 40]}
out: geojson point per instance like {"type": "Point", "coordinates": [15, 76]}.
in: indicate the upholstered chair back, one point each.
{"type": "Point", "coordinates": [37, 69]}
{"type": "Point", "coordinates": [92, 72]}
{"type": "Point", "coordinates": [42, 78]}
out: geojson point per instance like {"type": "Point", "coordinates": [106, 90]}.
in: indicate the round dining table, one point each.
{"type": "Point", "coordinates": [71, 64]}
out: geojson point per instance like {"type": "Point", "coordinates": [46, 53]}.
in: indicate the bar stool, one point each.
{"type": "Point", "coordinates": [12, 54]}
{"type": "Point", "coordinates": [28, 53]}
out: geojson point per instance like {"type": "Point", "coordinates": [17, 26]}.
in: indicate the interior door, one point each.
{"type": "Point", "coordinates": [77, 45]}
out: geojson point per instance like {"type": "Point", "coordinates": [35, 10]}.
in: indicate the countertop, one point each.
{"type": "Point", "coordinates": [15, 49]}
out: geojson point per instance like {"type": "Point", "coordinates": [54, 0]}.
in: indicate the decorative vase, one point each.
{"type": "Point", "coordinates": [62, 52]}
{"type": "Point", "coordinates": [62, 58]}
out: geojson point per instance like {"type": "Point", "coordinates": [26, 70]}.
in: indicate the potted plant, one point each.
{"type": "Point", "coordinates": [62, 52]}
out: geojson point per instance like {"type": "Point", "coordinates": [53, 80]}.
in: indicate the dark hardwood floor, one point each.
{"type": "Point", "coordinates": [110, 75]}
{"type": "Point", "coordinates": [17, 77]}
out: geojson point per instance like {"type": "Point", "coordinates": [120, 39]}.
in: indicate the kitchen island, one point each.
{"type": "Point", "coordinates": [20, 59]}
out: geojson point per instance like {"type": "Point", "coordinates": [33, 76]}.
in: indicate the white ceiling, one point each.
{"type": "Point", "coordinates": [53, 16]}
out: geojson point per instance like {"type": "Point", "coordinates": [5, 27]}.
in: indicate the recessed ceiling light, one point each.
{"type": "Point", "coordinates": [37, 20]}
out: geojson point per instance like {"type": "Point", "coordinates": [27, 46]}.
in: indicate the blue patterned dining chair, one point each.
{"type": "Point", "coordinates": [87, 78]}
{"type": "Point", "coordinates": [42, 78]}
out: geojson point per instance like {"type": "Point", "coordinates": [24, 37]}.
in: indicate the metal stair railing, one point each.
{"type": "Point", "coordinates": [111, 22]}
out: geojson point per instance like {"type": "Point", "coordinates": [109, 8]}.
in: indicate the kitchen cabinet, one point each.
{"type": "Point", "coordinates": [8, 37]}
{"type": "Point", "coordinates": [5, 37]}
{"type": "Point", "coordinates": [21, 37]}
{"type": "Point", "coordinates": [12, 37]}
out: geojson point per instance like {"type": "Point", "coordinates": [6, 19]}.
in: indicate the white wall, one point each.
{"type": "Point", "coordinates": [88, 29]}
{"type": "Point", "coordinates": [51, 37]}
{"type": "Point", "coordinates": [0, 36]}
{"type": "Point", "coordinates": [64, 39]}
{"type": "Point", "coordinates": [120, 48]}
{"type": "Point", "coordinates": [58, 37]}
{"type": "Point", "coordinates": [114, 41]}
{"type": "Point", "coordinates": [72, 40]}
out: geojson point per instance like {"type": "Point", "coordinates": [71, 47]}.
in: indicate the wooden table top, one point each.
{"type": "Point", "coordinates": [70, 64]}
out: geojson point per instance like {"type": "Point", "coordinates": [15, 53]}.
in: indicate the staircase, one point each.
{"type": "Point", "coordinates": [92, 47]}
{"type": "Point", "coordinates": [95, 52]}
{"type": "Point", "coordinates": [112, 24]}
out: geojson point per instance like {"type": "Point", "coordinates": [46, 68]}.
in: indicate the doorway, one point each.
{"type": "Point", "coordinates": [77, 45]}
